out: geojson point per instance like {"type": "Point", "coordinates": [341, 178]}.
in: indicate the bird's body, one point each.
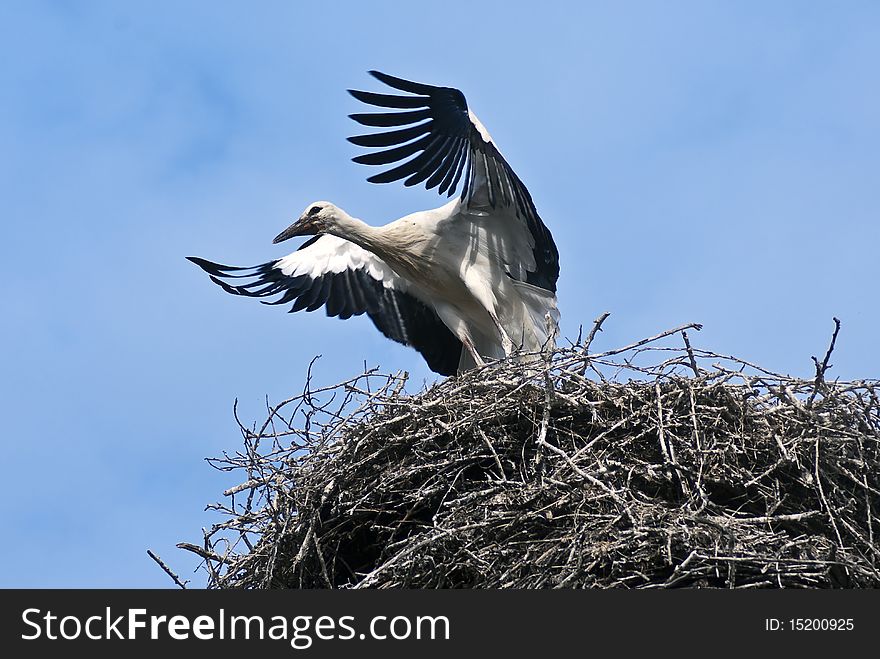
{"type": "Point", "coordinates": [472, 279]}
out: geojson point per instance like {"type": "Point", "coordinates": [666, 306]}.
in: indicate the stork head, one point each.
{"type": "Point", "coordinates": [317, 218]}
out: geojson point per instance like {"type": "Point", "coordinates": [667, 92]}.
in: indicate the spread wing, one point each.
{"type": "Point", "coordinates": [442, 144]}
{"type": "Point", "coordinates": [348, 281]}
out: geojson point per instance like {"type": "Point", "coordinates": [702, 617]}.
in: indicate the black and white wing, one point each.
{"type": "Point", "coordinates": [348, 281]}
{"type": "Point", "coordinates": [449, 146]}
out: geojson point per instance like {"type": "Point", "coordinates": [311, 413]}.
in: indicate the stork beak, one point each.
{"type": "Point", "coordinates": [302, 227]}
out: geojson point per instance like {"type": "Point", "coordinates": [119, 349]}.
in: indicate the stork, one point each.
{"type": "Point", "coordinates": [472, 280]}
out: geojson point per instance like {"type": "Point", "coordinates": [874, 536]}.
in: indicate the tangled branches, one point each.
{"type": "Point", "coordinates": [650, 466]}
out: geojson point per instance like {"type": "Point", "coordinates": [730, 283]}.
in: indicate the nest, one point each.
{"type": "Point", "coordinates": [651, 466]}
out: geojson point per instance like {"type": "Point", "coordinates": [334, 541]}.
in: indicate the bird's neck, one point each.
{"type": "Point", "coordinates": [386, 242]}
{"type": "Point", "coordinates": [359, 232]}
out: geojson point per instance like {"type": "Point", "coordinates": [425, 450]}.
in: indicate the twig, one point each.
{"type": "Point", "coordinates": [167, 570]}
{"type": "Point", "coordinates": [597, 327]}
{"type": "Point", "coordinates": [631, 346]}
{"type": "Point", "coordinates": [821, 368]}
{"type": "Point", "coordinates": [200, 551]}
{"type": "Point", "coordinates": [690, 352]}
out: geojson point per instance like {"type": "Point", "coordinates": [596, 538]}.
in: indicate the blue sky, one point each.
{"type": "Point", "coordinates": [714, 162]}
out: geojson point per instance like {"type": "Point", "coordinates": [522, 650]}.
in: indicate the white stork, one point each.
{"type": "Point", "coordinates": [478, 273]}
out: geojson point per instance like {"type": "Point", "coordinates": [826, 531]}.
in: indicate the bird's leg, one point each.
{"type": "Point", "coordinates": [474, 354]}
{"type": "Point", "coordinates": [506, 343]}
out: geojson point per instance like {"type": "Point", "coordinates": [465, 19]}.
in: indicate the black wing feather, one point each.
{"type": "Point", "coordinates": [388, 100]}
{"type": "Point", "coordinates": [392, 137]}
{"type": "Point", "coordinates": [386, 119]}
{"type": "Point", "coordinates": [395, 154]}
{"type": "Point", "coordinates": [433, 162]}
{"type": "Point", "coordinates": [404, 85]}
{"type": "Point", "coordinates": [397, 314]}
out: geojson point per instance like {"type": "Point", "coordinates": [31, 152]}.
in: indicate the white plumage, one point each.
{"type": "Point", "coordinates": [473, 279]}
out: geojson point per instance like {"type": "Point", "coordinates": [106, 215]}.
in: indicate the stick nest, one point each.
{"type": "Point", "coordinates": [648, 466]}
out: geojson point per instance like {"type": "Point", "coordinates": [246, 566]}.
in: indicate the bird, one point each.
{"type": "Point", "coordinates": [469, 282]}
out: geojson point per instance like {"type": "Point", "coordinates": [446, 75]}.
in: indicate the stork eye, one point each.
{"type": "Point", "coordinates": [314, 210]}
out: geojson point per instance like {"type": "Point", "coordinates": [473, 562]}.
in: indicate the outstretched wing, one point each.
{"type": "Point", "coordinates": [449, 145]}
{"type": "Point", "coordinates": [348, 281]}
